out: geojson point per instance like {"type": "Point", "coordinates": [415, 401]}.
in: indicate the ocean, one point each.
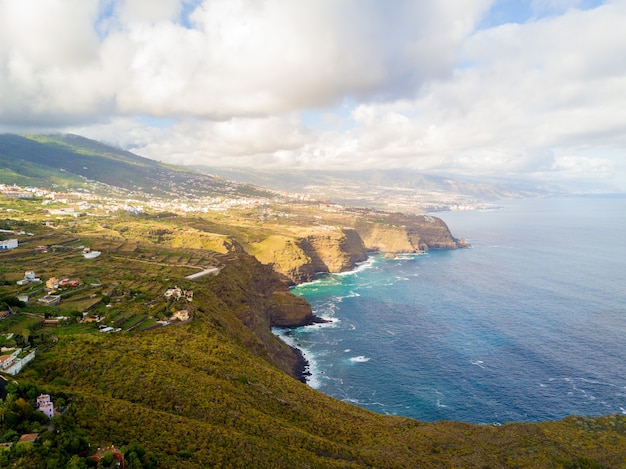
{"type": "Point", "coordinates": [527, 325]}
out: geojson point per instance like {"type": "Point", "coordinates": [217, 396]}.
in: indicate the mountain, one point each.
{"type": "Point", "coordinates": [392, 189]}
{"type": "Point", "coordinates": [75, 161]}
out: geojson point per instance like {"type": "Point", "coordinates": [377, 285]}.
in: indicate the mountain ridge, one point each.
{"type": "Point", "coordinates": [74, 161]}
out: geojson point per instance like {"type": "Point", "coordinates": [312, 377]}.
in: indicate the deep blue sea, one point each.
{"type": "Point", "coordinates": [529, 324]}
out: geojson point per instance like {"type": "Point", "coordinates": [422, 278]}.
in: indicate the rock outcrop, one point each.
{"type": "Point", "coordinates": [400, 233]}
{"type": "Point", "coordinates": [334, 251]}
{"type": "Point", "coordinates": [331, 250]}
{"type": "Point", "coordinates": [300, 259]}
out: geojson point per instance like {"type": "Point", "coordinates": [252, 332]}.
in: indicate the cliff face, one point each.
{"type": "Point", "coordinates": [299, 259]}
{"type": "Point", "coordinates": [259, 299]}
{"type": "Point", "coordinates": [332, 250]}
{"type": "Point", "coordinates": [335, 251]}
{"type": "Point", "coordinates": [401, 233]}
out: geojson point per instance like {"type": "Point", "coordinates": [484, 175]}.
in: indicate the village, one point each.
{"type": "Point", "coordinates": [75, 203]}
{"type": "Point", "coordinates": [54, 282]}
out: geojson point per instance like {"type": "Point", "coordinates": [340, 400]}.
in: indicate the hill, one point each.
{"type": "Point", "coordinates": [75, 161]}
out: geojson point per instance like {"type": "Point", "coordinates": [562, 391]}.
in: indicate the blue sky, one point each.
{"type": "Point", "coordinates": [524, 89]}
{"type": "Point", "coordinates": [522, 11]}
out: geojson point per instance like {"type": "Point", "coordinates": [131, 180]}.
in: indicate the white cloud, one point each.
{"type": "Point", "coordinates": [138, 11]}
{"type": "Point", "coordinates": [234, 58]}
{"type": "Point", "coordinates": [240, 141]}
{"type": "Point", "coordinates": [429, 91]}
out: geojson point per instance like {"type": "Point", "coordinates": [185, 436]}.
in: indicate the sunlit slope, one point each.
{"type": "Point", "coordinates": [74, 161]}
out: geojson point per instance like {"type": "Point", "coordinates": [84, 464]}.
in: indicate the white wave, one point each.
{"type": "Point", "coordinates": [331, 323]}
{"type": "Point", "coordinates": [360, 266]}
{"type": "Point", "coordinates": [313, 378]}
{"type": "Point", "coordinates": [408, 255]}
{"type": "Point", "coordinates": [347, 350]}
{"type": "Point", "coordinates": [439, 404]}
{"type": "Point", "coordinates": [359, 359]}
{"type": "Point", "coordinates": [478, 363]}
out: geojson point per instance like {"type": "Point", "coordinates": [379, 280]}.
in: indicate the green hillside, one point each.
{"type": "Point", "coordinates": [218, 390]}
{"type": "Point", "coordinates": [74, 161]}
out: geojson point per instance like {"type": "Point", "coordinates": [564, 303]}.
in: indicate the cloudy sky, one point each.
{"type": "Point", "coordinates": [521, 88]}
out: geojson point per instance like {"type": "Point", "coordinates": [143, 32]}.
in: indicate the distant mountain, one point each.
{"type": "Point", "coordinates": [385, 189]}
{"type": "Point", "coordinates": [74, 161]}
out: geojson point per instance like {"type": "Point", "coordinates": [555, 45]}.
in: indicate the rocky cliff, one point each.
{"type": "Point", "coordinates": [259, 300]}
{"type": "Point", "coordinates": [300, 259]}
{"type": "Point", "coordinates": [400, 233]}
{"type": "Point", "coordinates": [331, 250]}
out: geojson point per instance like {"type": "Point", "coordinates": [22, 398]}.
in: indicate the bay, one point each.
{"type": "Point", "coordinates": [529, 324]}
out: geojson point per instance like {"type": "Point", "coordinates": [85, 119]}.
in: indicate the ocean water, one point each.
{"type": "Point", "coordinates": [529, 324]}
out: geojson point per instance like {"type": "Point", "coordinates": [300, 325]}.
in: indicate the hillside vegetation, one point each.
{"type": "Point", "coordinates": [184, 372]}
{"type": "Point", "coordinates": [216, 391]}
{"type": "Point", "coordinates": [74, 161]}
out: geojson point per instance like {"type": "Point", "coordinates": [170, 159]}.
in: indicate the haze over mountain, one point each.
{"type": "Point", "coordinates": [44, 160]}
{"type": "Point", "coordinates": [398, 190]}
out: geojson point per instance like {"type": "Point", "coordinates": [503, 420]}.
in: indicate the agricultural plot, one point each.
{"type": "Point", "coordinates": [123, 288]}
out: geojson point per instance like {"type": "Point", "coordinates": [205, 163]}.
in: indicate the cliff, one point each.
{"type": "Point", "coordinates": [400, 233]}
{"type": "Point", "coordinates": [306, 241]}
{"type": "Point", "coordinates": [327, 249]}
{"type": "Point", "coordinates": [300, 259]}
{"type": "Point", "coordinates": [259, 300]}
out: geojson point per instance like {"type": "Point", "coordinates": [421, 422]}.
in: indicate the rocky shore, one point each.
{"type": "Point", "coordinates": [334, 250]}
{"type": "Point", "coordinates": [302, 260]}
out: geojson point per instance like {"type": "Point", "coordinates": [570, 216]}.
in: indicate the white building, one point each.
{"type": "Point", "coordinates": [8, 244]}
{"type": "Point", "coordinates": [44, 404]}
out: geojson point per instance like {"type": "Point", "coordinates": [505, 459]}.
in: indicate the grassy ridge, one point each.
{"type": "Point", "coordinates": [71, 160]}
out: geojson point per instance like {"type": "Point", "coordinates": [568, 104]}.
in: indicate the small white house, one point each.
{"type": "Point", "coordinates": [8, 244]}
{"type": "Point", "coordinates": [44, 404]}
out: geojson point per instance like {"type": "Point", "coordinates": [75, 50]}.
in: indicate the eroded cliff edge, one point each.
{"type": "Point", "coordinates": [300, 258]}
{"type": "Point", "coordinates": [332, 249]}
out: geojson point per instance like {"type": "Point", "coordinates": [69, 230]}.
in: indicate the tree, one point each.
{"type": "Point", "coordinates": [76, 462]}
{"type": "Point", "coordinates": [19, 340]}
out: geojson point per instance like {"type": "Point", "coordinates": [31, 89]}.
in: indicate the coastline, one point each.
{"type": "Point", "coordinates": [301, 368]}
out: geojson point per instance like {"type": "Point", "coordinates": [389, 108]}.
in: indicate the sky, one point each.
{"type": "Point", "coordinates": [528, 89]}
